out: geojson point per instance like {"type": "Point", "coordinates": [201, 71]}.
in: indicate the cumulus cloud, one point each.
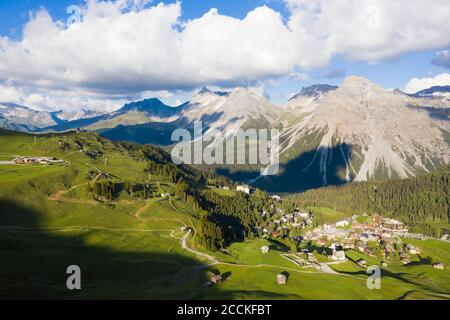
{"type": "Point", "coordinates": [125, 47]}
{"type": "Point", "coordinates": [52, 100]}
{"type": "Point", "coordinates": [442, 59]}
{"type": "Point", "coordinates": [113, 51]}
{"type": "Point", "coordinates": [418, 84]}
{"type": "Point", "coordinates": [368, 30]}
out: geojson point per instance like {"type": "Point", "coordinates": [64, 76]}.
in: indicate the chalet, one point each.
{"type": "Point", "coordinates": [311, 258]}
{"type": "Point", "coordinates": [362, 247]}
{"type": "Point", "coordinates": [338, 255]}
{"type": "Point", "coordinates": [343, 223]}
{"type": "Point", "coordinates": [276, 197]}
{"type": "Point", "coordinates": [349, 245]}
{"type": "Point", "coordinates": [404, 257]}
{"type": "Point", "coordinates": [412, 249]}
{"type": "Point", "coordinates": [265, 249]}
{"type": "Point", "coordinates": [281, 279]}
{"type": "Point", "coordinates": [373, 237]}
{"type": "Point", "coordinates": [368, 251]}
{"type": "Point", "coordinates": [438, 265]}
{"type": "Point", "coordinates": [243, 188]}
{"type": "Point", "coordinates": [226, 188]}
{"type": "Point", "coordinates": [302, 214]}
{"type": "Point", "coordinates": [393, 225]}
{"type": "Point", "coordinates": [364, 238]}
{"type": "Point", "coordinates": [362, 263]}
{"type": "Point", "coordinates": [216, 279]}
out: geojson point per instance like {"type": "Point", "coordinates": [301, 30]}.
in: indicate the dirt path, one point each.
{"type": "Point", "coordinates": [138, 213]}
{"type": "Point", "coordinates": [198, 253]}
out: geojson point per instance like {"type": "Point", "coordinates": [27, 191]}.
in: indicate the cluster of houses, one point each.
{"type": "Point", "coordinates": [377, 233]}
{"type": "Point", "coordinates": [356, 235]}
{"type": "Point", "coordinates": [286, 221]}
{"type": "Point", "coordinates": [36, 160]}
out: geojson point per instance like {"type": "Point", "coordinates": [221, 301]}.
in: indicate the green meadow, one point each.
{"type": "Point", "coordinates": [130, 247]}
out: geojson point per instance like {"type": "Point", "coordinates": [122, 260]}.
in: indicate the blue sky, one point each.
{"type": "Point", "coordinates": [392, 70]}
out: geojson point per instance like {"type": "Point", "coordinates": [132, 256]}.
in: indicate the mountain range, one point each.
{"type": "Point", "coordinates": [357, 131]}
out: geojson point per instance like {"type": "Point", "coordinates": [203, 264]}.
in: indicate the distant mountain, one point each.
{"type": "Point", "coordinates": [315, 91]}
{"type": "Point", "coordinates": [64, 115]}
{"type": "Point", "coordinates": [329, 135]}
{"type": "Point", "coordinates": [434, 92]}
{"type": "Point", "coordinates": [135, 113]}
{"type": "Point", "coordinates": [21, 118]}
{"type": "Point", "coordinates": [238, 109]}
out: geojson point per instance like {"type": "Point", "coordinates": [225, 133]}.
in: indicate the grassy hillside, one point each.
{"type": "Point", "coordinates": [131, 246]}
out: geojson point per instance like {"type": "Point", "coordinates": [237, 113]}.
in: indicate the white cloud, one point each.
{"type": "Point", "coordinates": [127, 52]}
{"type": "Point", "coordinates": [123, 48]}
{"type": "Point", "coordinates": [417, 84]}
{"type": "Point", "coordinates": [368, 30]}
{"type": "Point", "coordinates": [52, 100]}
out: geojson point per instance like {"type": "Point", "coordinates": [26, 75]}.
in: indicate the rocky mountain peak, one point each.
{"type": "Point", "coordinates": [356, 82]}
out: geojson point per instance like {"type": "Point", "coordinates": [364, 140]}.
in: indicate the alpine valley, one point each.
{"type": "Point", "coordinates": [364, 182]}
{"type": "Point", "coordinates": [330, 135]}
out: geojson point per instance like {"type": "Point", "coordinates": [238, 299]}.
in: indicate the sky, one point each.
{"type": "Point", "coordinates": [100, 54]}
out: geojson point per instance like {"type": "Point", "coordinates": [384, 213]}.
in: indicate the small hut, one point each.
{"type": "Point", "coordinates": [281, 279]}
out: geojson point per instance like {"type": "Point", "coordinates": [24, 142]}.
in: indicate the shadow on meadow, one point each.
{"type": "Point", "coordinates": [33, 265]}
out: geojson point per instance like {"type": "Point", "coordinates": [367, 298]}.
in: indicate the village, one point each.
{"type": "Point", "coordinates": [319, 246]}
{"type": "Point", "coordinates": [372, 235]}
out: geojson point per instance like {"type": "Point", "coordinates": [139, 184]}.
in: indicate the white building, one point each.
{"type": "Point", "coordinates": [338, 255]}
{"type": "Point", "coordinates": [265, 249]}
{"type": "Point", "coordinates": [343, 223]}
{"type": "Point", "coordinates": [243, 188]}
{"type": "Point", "coordinates": [394, 226]}
{"type": "Point", "coordinates": [276, 197]}
{"type": "Point", "coordinates": [281, 279]}
{"type": "Point", "coordinates": [304, 215]}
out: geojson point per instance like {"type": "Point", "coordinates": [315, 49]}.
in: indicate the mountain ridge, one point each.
{"type": "Point", "coordinates": [373, 133]}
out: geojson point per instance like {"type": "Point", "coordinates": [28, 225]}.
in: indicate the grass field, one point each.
{"type": "Point", "coordinates": [327, 215]}
{"type": "Point", "coordinates": [133, 248]}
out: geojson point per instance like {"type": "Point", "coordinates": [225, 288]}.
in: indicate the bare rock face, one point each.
{"type": "Point", "coordinates": [230, 111]}
{"type": "Point", "coordinates": [392, 135]}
